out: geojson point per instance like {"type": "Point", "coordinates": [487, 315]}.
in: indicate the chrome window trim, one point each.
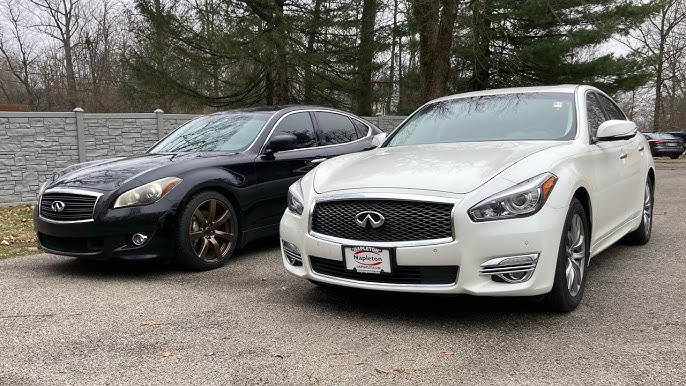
{"type": "Point", "coordinates": [385, 197]}
{"type": "Point", "coordinates": [350, 116]}
{"type": "Point", "coordinates": [69, 191]}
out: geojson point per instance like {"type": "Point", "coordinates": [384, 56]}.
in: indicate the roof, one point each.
{"type": "Point", "coordinates": [563, 88]}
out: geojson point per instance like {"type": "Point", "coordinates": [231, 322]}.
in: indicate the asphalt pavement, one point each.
{"type": "Point", "coordinates": [249, 323]}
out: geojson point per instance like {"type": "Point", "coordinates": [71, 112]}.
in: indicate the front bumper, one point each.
{"type": "Point", "coordinates": [109, 234]}
{"type": "Point", "coordinates": [473, 245]}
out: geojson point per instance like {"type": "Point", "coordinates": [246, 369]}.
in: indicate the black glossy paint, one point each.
{"type": "Point", "coordinates": [256, 182]}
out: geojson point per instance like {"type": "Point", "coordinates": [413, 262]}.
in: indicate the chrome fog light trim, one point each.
{"type": "Point", "coordinates": [292, 253]}
{"type": "Point", "coordinates": [139, 239]}
{"type": "Point", "coordinates": [511, 269]}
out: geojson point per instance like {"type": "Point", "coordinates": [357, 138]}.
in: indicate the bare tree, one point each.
{"type": "Point", "coordinates": [19, 55]}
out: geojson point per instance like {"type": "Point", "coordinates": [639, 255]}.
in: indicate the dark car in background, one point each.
{"type": "Point", "coordinates": [215, 184]}
{"type": "Point", "coordinates": [679, 134]}
{"type": "Point", "coordinates": [665, 145]}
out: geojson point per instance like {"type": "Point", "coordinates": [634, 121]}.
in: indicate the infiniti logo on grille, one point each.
{"type": "Point", "coordinates": [369, 219]}
{"type": "Point", "coordinates": [57, 206]}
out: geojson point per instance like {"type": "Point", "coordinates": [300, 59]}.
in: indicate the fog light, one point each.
{"type": "Point", "coordinates": [511, 269]}
{"type": "Point", "coordinates": [292, 254]}
{"type": "Point", "coordinates": [139, 239]}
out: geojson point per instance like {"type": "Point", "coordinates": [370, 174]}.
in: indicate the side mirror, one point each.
{"type": "Point", "coordinates": [615, 129]}
{"type": "Point", "coordinates": [378, 139]}
{"type": "Point", "coordinates": [282, 142]}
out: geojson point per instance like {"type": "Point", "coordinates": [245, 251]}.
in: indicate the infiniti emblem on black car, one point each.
{"type": "Point", "coordinates": [57, 206]}
{"type": "Point", "coordinates": [368, 219]}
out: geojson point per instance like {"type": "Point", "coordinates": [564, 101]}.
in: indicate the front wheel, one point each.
{"type": "Point", "coordinates": [207, 231]}
{"type": "Point", "coordinates": [674, 156]}
{"type": "Point", "coordinates": [641, 236]}
{"type": "Point", "coordinates": [572, 261]}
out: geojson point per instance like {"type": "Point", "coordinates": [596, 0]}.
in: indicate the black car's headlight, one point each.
{"type": "Point", "coordinates": [295, 198]}
{"type": "Point", "coordinates": [521, 200]}
{"type": "Point", "coordinates": [148, 193]}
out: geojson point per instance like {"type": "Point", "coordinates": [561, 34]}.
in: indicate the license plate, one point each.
{"type": "Point", "coordinates": [368, 259]}
{"type": "Point", "coordinates": [671, 144]}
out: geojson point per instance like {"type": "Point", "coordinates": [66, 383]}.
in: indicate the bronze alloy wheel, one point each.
{"type": "Point", "coordinates": [212, 231]}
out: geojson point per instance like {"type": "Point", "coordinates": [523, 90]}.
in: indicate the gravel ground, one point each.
{"type": "Point", "coordinates": [249, 323]}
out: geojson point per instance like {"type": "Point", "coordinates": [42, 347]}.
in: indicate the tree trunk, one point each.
{"type": "Point", "coordinates": [362, 99]}
{"type": "Point", "coordinates": [311, 39]}
{"type": "Point", "coordinates": [391, 78]}
{"type": "Point", "coordinates": [481, 26]}
{"type": "Point", "coordinates": [281, 91]}
{"type": "Point", "coordinates": [436, 20]}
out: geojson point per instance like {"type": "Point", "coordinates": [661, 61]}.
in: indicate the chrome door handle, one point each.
{"type": "Point", "coordinates": [622, 156]}
{"type": "Point", "coordinates": [318, 160]}
{"type": "Point", "coordinates": [641, 148]}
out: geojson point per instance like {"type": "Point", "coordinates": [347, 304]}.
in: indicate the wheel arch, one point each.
{"type": "Point", "coordinates": [581, 194]}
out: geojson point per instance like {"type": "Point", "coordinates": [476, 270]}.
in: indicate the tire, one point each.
{"type": "Point", "coordinates": [674, 156]}
{"type": "Point", "coordinates": [572, 262]}
{"type": "Point", "coordinates": [641, 236]}
{"type": "Point", "coordinates": [206, 233]}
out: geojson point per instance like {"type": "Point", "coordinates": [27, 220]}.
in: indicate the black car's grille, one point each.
{"type": "Point", "coordinates": [404, 220]}
{"type": "Point", "coordinates": [75, 207]}
{"type": "Point", "coordinates": [402, 274]}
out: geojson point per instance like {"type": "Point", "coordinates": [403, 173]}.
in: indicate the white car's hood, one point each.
{"type": "Point", "coordinates": [451, 167]}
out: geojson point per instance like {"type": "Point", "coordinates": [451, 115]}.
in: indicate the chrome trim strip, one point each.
{"type": "Point", "coordinates": [382, 244]}
{"type": "Point", "coordinates": [264, 145]}
{"type": "Point", "coordinates": [69, 191]}
{"type": "Point", "coordinates": [387, 285]}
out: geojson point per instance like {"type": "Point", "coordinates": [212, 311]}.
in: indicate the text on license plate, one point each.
{"type": "Point", "coordinates": [368, 259]}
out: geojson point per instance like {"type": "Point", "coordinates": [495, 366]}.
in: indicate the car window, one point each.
{"type": "Point", "coordinates": [300, 125]}
{"type": "Point", "coordinates": [228, 132]}
{"type": "Point", "coordinates": [612, 110]}
{"type": "Point", "coordinates": [502, 117]}
{"type": "Point", "coordinates": [335, 128]}
{"type": "Point", "coordinates": [362, 129]}
{"type": "Point", "coordinates": [595, 114]}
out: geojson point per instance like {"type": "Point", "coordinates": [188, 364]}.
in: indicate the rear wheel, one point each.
{"type": "Point", "coordinates": [572, 261]}
{"type": "Point", "coordinates": [207, 232]}
{"type": "Point", "coordinates": [641, 236]}
{"type": "Point", "coordinates": [674, 156]}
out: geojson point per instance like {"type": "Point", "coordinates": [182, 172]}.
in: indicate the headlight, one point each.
{"type": "Point", "coordinates": [521, 200]}
{"type": "Point", "coordinates": [148, 193]}
{"type": "Point", "coordinates": [295, 198]}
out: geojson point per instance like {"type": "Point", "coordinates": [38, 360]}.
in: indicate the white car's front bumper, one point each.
{"type": "Point", "coordinates": [473, 245]}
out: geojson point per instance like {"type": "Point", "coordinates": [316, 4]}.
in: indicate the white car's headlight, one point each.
{"type": "Point", "coordinates": [295, 198]}
{"type": "Point", "coordinates": [521, 200]}
{"type": "Point", "coordinates": [148, 193]}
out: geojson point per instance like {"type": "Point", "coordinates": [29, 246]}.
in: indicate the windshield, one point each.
{"type": "Point", "coordinates": [221, 132]}
{"type": "Point", "coordinates": [507, 117]}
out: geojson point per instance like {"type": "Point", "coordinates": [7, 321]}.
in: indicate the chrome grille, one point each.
{"type": "Point", "coordinates": [77, 207]}
{"type": "Point", "coordinates": [404, 220]}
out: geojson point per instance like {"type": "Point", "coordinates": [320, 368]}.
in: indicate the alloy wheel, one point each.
{"type": "Point", "coordinates": [647, 209]}
{"type": "Point", "coordinates": [211, 230]}
{"type": "Point", "coordinates": [576, 255]}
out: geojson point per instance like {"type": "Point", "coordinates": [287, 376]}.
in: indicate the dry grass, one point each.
{"type": "Point", "coordinates": [16, 231]}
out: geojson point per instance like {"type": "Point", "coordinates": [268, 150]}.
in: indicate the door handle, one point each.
{"type": "Point", "coordinates": [318, 160]}
{"type": "Point", "coordinates": [641, 148]}
{"type": "Point", "coordinates": [622, 156]}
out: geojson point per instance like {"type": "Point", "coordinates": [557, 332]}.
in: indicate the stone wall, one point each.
{"type": "Point", "coordinates": [35, 145]}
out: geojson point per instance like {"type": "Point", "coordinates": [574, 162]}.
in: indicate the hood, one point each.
{"type": "Point", "coordinates": [451, 167]}
{"type": "Point", "coordinates": [110, 174]}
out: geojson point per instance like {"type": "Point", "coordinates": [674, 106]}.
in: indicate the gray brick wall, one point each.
{"type": "Point", "coordinates": [35, 145]}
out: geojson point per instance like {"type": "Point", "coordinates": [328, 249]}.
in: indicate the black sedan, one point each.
{"type": "Point", "coordinates": [665, 145]}
{"type": "Point", "coordinates": [215, 184]}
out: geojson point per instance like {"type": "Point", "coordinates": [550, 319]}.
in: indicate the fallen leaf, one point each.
{"type": "Point", "coordinates": [447, 353]}
{"type": "Point", "coordinates": [283, 288]}
{"type": "Point", "coordinates": [4, 242]}
{"type": "Point", "coordinates": [277, 355]}
{"type": "Point", "coordinates": [381, 371]}
{"type": "Point", "coordinates": [23, 220]}
{"type": "Point", "coordinates": [358, 363]}
{"type": "Point", "coordinates": [166, 353]}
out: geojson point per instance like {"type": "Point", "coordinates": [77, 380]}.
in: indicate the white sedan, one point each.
{"type": "Point", "coordinates": [496, 193]}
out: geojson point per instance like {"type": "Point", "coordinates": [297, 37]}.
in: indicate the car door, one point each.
{"type": "Point", "coordinates": [276, 172]}
{"type": "Point", "coordinates": [341, 134]}
{"type": "Point", "coordinates": [607, 167]}
{"type": "Point", "coordinates": [634, 150]}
